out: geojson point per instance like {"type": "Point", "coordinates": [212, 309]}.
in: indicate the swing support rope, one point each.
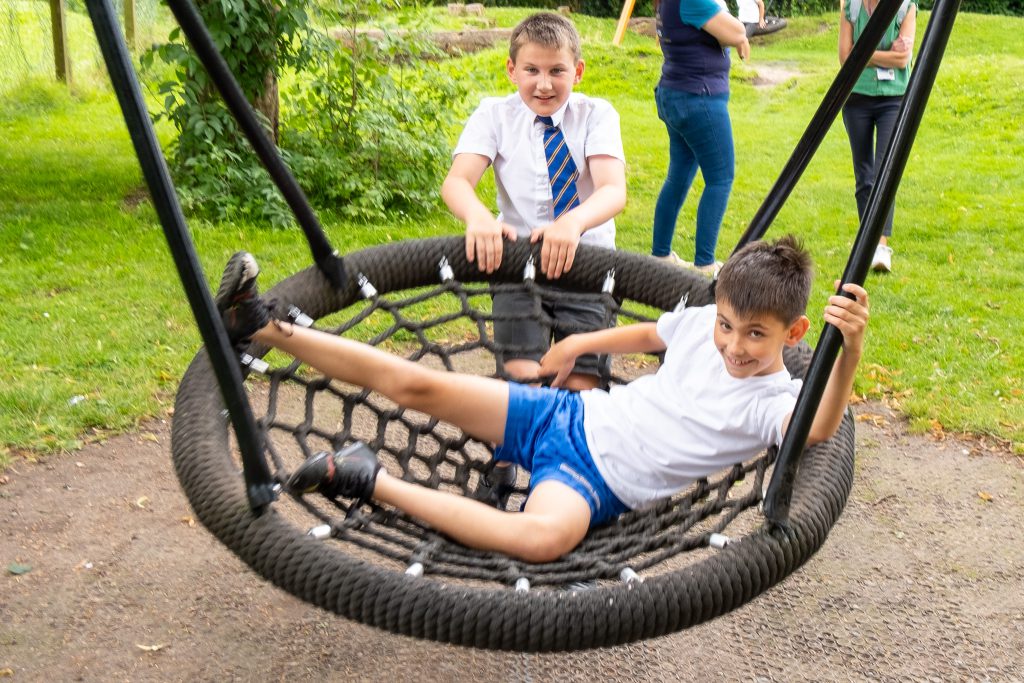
{"type": "Point", "coordinates": [883, 194]}
{"type": "Point", "coordinates": [260, 487]}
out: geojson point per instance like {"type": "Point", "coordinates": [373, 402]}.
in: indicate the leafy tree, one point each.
{"type": "Point", "coordinates": [364, 126]}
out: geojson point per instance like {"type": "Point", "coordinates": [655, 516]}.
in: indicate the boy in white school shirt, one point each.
{"type": "Point", "coordinates": [509, 133]}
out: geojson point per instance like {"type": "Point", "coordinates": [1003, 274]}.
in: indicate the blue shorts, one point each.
{"type": "Point", "coordinates": [544, 435]}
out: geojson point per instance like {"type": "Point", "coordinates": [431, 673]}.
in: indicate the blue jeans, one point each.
{"type": "Point", "coordinates": [699, 135]}
{"type": "Point", "coordinates": [869, 122]}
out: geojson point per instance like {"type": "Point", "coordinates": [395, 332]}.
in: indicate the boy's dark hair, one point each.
{"type": "Point", "coordinates": [767, 278]}
{"type": "Point", "coordinates": [546, 29]}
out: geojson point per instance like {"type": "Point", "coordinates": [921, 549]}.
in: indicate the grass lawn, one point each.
{"type": "Point", "coordinates": [97, 330]}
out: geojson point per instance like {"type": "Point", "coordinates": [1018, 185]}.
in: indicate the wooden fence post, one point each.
{"type": "Point", "coordinates": [620, 29]}
{"type": "Point", "coordinates": [58, 22]}
{"type": "Point", "coordinates": [129, 24]}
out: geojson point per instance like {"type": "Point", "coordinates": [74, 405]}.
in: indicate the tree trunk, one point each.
{"type": "Point", "coordinates": [269, 105]}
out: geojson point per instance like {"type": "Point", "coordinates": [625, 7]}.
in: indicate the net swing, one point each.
{"type": "Point", "coordinates": [674, 564]}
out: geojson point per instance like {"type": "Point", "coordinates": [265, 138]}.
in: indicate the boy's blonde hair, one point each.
{"type": "Point", "coordinates": [546, 29]}
{"type": "Point", "coordinates": [768, 278]}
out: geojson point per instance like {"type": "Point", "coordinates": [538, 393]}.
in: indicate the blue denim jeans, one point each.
{"type": "Point", "coordinates": [699, 136]}
{"type": "Point", "coordinates": [870, 122]}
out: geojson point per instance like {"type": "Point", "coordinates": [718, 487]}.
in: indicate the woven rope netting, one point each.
{"type": "Point", "coordinates": [381, 567]}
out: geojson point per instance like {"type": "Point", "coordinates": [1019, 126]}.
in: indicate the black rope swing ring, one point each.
{"type": "Point", "coordinates": [671, 565]}
{"type": "Point", "coordinates": [421, 584]}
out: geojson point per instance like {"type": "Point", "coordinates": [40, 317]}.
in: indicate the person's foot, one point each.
{"type": "Point", "coordinates": [238, 300]}
{"type": "Point", "coordinates": [496, 486]}
{"type": "Point", "coordinates": [711, 269]}
{"type": "Point", "coordinates": [351, 473]}
{"type": "Point", "coordinates": [882, 260]}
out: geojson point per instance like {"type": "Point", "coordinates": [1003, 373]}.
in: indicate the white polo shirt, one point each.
{"type": "Point", "coordinates": [506, 131]}
{"type": "Point", "coordinates": [654, 436]}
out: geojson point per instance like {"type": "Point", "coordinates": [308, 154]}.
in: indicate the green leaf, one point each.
{"type": "Point", "coordinates": [18, 569]}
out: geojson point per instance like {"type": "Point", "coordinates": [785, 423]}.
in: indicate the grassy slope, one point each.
{"type": "Point", "coordinates": [92, 306]}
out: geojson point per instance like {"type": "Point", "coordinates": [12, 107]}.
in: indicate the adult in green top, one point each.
{"type": "Point", "coordinates": [870, 112]}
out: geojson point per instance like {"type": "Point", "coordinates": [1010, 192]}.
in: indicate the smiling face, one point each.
{"type": "Point", "coordinates": [544, 76]}
{"type": "Point", "coordinates": [752, 346]}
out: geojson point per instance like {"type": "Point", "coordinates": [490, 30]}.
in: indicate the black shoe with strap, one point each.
{"type": "Point", "coordinates": [238, 299]}
{"type": "Point", "coordinates": [350, 473]}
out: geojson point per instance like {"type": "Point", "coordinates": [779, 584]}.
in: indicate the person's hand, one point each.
{"type": "Point", "coordinates": [558, 250]}
{"type": "Point", "coordinates": [850, 316]}
{"type": "Point", "coordinates": [743, 50]}
{"type": "Point", "coordinates": [762, 23]}
{"type": "Point", "coordinates": [902, 44]}
{"type": "Point", "coordinates": [559, 362]}
{"type": "Point", "coordinates": [483, 242]}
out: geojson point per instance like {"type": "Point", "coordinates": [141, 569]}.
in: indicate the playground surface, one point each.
{"type": "Point", "coordinates": [106, 576]}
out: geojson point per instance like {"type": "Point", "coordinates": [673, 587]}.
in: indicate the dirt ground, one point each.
{"type": "Point", "coordinates": [107, 577]}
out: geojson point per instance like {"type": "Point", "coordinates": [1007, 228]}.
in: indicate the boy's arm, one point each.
{"type": "Point", "coordinates": [850, 316]}
{"type": "Point", "coordinates": [483, 230]}
{"type": "Point", "coordinates": [561, 357]}
{"type": "Point", "coordinates": [760, 13]}
{"type": "Point", "coordinates": [558, 252]}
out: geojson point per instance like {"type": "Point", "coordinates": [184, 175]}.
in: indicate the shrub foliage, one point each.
{"type": "Point", "coordinates": [363, 120]}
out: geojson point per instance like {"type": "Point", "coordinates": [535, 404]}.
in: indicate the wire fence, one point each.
{"type": "Point", "coordinates": [27, 44]}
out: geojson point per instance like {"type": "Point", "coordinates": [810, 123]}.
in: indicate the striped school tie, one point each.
{"type": "Point", "coordinates": [561, 168]}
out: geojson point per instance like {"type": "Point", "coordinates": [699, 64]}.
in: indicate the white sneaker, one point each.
{"type": "Point", "coordinates": [711, 270]}
{"type": "Point", "coordinates": [674, 259]}
{"type": "Point", "coordinates": [882, 260]}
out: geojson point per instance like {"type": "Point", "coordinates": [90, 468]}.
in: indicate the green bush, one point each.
{"type": "Point", "coordinates": [364, 126]}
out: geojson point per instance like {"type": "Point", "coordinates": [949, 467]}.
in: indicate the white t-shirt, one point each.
{"type": "Point", "coordinates": [654, 436]}
{"type": "Point", "coordinates": [506, 131]}
{"type": "Point", "coordinates": [748, 12]}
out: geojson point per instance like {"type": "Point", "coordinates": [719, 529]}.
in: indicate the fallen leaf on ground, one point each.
{"type": "Point", "coordinates": [986, 496]}
{"type": "Point", "coordinates": [189, 520]}
{"type": "Point", "coordinates": [18, 569]}
{"type": "Point", "coordinates": [142, 502]}
{"type": "Point", "coordinates": [874, 418]}
{"type": "Point", "coordinates": [150, 648]}
{"type": "Point", "coordinates": [6, 673]}
{"type": "Point", "coordinates": [149, 436]}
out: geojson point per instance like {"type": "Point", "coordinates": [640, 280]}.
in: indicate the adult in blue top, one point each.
{"type": "Point", "coordinates": [692, 98]}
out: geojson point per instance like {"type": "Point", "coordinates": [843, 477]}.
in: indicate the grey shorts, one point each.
{"type": "Point", "coordinates": [522, 332]}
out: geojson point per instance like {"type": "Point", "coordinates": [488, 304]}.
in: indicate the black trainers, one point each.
{"type": "Point", "coordinates": [238, 300]}
{"type": "Point", "coordinates": [496, 486]}
{"type": "Point", "coordinates": [351, 472]}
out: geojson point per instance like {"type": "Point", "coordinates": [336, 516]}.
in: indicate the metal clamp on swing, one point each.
{"type": "Point", "coordinates": [530, 270]}
{"type": "Point", "coordinates": [445, 270]}
{"type": "Point", "coordinates": [609, 282]}
{"type": "Point", "coordinates": [255, 364]}
{"type": "Point", "coordinates": [365, 287]}
{"type": "Point", "coordinates": [297, 317]}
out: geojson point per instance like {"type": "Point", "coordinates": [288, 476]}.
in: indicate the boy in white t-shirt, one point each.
{"type": "Point", "coordinates": [721, 396]}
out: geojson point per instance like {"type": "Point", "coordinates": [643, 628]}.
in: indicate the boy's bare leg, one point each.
{"type": "Point", "coordinates": [555, 520]}
{"type": "Point", "coordinates": [477, 405]}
